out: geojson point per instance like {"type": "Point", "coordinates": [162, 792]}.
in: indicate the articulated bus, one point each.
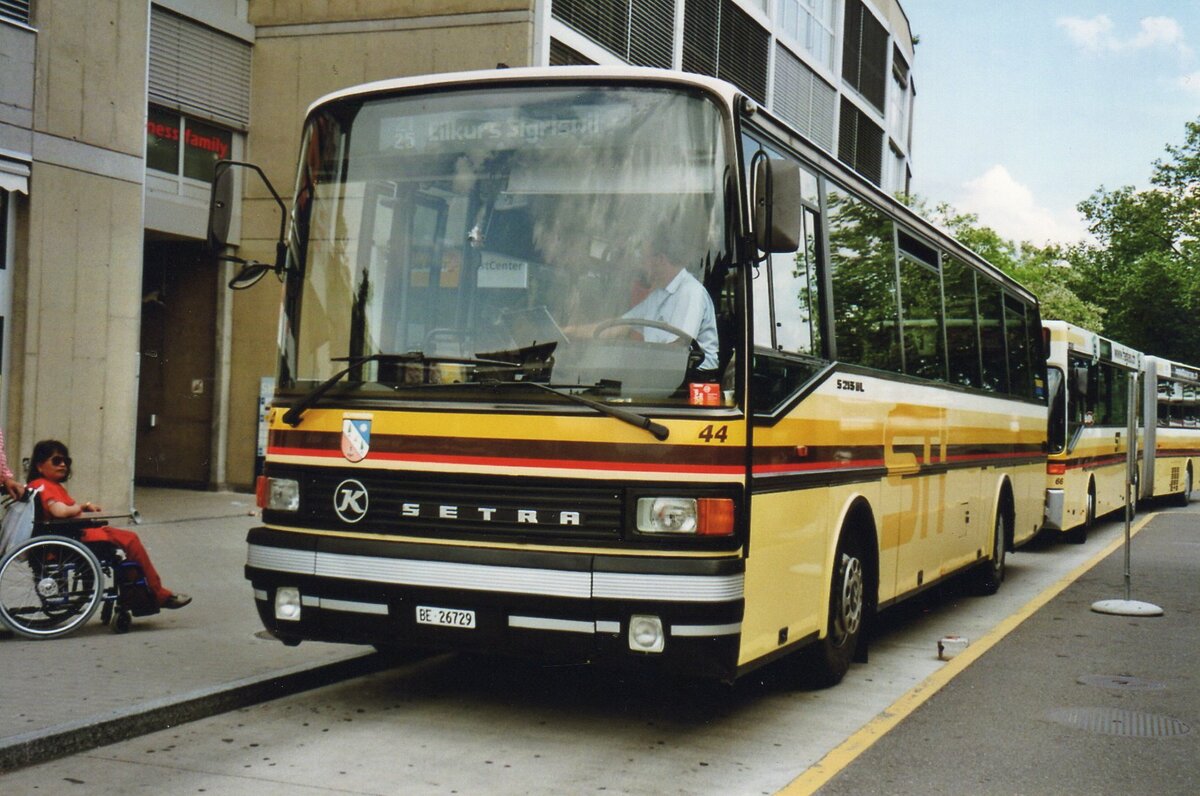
{"type": "Point", "coordinates": [1171, 420]}
{"type": "Point", "coordinates": [486, 435]}
{"type": "Point", "coordinates": [1089, 378]}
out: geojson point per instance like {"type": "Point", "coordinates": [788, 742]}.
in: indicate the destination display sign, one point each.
{"type": "Point", "coordinates": [504, 128]}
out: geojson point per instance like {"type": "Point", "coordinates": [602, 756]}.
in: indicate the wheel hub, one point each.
{"type": "Point", "coordinates": [849, 615]}
{"type": "Point", "coordinates": [47, 587]}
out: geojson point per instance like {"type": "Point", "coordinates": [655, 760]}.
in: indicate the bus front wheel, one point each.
{"type": "Point", "coordinates": [828, 660]}
{"type": "Point", "coordinates": [990, 574]}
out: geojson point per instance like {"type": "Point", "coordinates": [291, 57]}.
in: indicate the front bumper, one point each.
{"type": "Point", "coordinates": [572, 606]}
{"type": "Point", "coordinates": [1052, 514]}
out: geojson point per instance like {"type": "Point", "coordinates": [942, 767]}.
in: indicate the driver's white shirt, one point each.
{"type": "Point", "coordinates": [686, 305]}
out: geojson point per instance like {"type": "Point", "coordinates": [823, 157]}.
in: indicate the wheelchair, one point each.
{"type": "Point", "coordinates": [54, 582]}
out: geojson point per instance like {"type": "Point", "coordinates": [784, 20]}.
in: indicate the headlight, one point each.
{"type": "Point", "coordinates": [696, 516]}
{"type": "Point", "coordinates": [279, 494]}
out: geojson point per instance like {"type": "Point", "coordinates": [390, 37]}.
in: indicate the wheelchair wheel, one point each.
{"type": "Point", "coordinates": [49, 586]}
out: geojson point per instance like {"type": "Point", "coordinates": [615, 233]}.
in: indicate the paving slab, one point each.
{"type": "Point", "coordinates": [168, 667]}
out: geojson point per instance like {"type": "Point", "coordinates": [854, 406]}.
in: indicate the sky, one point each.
{"type": "Point", "coordinates": [1025, 108]}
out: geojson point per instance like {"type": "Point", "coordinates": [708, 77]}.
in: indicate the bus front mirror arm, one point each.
{"type": "Point", "coordinates": [220, 214]}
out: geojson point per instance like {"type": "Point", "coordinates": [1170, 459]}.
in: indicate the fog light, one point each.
{"type": "Point", "coordinates": [287, 603]}
{"type": "Point", "coordinates": [646, 634]}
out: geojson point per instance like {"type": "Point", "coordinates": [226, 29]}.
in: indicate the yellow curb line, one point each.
{"type": "Point", "coordinates": [845, 753]}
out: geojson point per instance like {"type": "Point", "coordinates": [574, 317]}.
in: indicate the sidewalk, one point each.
{"type": "Point", "coordinates": [67, 694]}
{"type": "Point", "coordinates": [1072, 701]}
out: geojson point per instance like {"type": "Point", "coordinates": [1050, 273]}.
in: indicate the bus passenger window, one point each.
{"type": "Point", "coordinates": [962, 324]}
{"type": "Point", "coordinates": [863, 266]}
{"type": "Point", "coordinates": [921, 308]}
{"type": "Point", "coordinates": [991, 336]}
{"type": "Point", "coordinates": [1020, 373]}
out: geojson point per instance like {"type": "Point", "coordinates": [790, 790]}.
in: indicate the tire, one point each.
{"type": "Point", "coordinates": [827, 661]}
{"type": "Point", "coordinates": [1185, 497]}
{"type": "Point", "coordinates": [990, 574]}
{"type": "Point", "coordinates": [49, 587]}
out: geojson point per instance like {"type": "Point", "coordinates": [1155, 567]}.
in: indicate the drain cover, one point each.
{"type": "Point", "coordinates": [1115, 721]}
{"type": "Point", "coordinates": [1120, 682]}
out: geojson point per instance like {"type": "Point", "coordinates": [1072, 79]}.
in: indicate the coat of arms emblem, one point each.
{"type": "Point", "coordinates": [356, 438]}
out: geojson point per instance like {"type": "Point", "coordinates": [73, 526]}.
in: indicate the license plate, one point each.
{"type": "Point", "coordinates": [445, 617]}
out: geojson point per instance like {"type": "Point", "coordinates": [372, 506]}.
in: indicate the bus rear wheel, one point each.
{"type": "Point", "coordinates": [828, 660]}
{"type": "Point", "coordinates": [1185, 497]}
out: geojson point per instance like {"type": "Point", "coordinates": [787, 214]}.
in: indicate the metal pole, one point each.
{"type": "Point", "coordinates": [1129, 606]}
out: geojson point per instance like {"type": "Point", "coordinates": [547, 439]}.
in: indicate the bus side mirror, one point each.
{"type": "Point", "coordinates": [220, 207]}
{"type": "Point", "coordinates": [220, 213]}
{"type": "Point", "coordinates": [777, 206]}
{"type": "Point", "coordinates": [1079, 379]}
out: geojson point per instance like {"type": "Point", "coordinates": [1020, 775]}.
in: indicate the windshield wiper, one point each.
{"type": "Point", "coordinates": [659, 431]}
{"type": "Point", "coordinates": [292, 416]}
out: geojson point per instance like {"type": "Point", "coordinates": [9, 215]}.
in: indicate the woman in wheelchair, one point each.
{"type": "Point", "coordinates": [49, 468]}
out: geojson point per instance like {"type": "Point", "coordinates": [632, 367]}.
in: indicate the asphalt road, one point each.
{"type": "Point", "coordinates": [455, 724]}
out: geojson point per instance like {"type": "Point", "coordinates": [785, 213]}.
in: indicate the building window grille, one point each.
{"type": "Point", "coordinates": [639, 32]}
{"type": "Point", "coordinates": [803, 99]}
{"type": "Point", "coordinates": [16, 10]}
{"type": "Point", "coordinates": [864, 53]}
{"type": "Point", "coordinates": [562, 55]}
{"type": "Point", "coordinates": [860, 143]}
{"type": "Point", "coordinates": [198, 71]}
{"type": "Point", "coordinates": [722, 40]}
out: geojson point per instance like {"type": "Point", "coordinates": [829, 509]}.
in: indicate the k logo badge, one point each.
{"type": "Point", "coordinates": [350, 501]}
{"type": "Point", "coordinates": [356, 438]}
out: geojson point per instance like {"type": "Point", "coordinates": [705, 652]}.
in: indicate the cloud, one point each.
{"type": "Point", "coordinates": [1097, 34]}
{"type": "Point", "coordinates": [1010, 208]}
{"type": "Point", "coordinates": [1190, 83]}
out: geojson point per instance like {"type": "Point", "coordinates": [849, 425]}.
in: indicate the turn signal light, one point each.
{"type": "Point", "coordinates": [1056, 468]}
{"type": "Point", "coordinates": [716, 516]}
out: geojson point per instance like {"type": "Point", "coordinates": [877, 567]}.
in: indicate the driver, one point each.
{"type": "Point", "coordinates": [677, 299]}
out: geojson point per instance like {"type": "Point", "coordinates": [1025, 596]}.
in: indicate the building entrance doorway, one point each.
{"type": "Point", "coordinates": [178, 360]}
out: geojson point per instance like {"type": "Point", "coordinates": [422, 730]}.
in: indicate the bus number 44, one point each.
{"type": "Point", "coordinates": [709, 433]}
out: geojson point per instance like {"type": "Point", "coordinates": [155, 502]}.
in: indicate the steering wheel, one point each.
{"type": "Point", "coordinates": [695, 352]}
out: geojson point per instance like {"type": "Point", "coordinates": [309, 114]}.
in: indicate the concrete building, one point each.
{"type": "Point", "coordinates": [118, 336]}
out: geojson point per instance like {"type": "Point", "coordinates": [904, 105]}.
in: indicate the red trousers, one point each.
{"type": "Point", "coordinates": [134, 551]}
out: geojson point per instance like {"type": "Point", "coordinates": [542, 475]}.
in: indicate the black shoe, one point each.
{"type": "Point", "coordinates": [176, 601]}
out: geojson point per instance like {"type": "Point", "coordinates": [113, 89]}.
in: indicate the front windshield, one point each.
{"type": "Point", "coordinates": [574, 236]}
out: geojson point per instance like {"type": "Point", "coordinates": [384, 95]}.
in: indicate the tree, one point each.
{"type": "Point", "coordinates": [1144, 268]}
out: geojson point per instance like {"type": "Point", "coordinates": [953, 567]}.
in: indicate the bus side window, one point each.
{"type": "Point", "coordinates": [921, 305]}
{"type": "Point", "coordinates": [991, 336]}
{"type": "Point", "coordinates": [1020, 373]}
{"type": "Point", "coordinates": [962, 323]}
{"type": "Point", "coordinates": [863, 272]}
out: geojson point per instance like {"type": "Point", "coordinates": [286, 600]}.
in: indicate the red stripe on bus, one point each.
{"type": "Point", "coordinates": [496, 461]}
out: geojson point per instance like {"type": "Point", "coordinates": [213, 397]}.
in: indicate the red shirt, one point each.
{"type": "Point", "coordinates": [51, 491]}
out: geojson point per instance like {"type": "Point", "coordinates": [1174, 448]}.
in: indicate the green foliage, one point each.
{"type": "Point", "coordinates": [1144, 267]}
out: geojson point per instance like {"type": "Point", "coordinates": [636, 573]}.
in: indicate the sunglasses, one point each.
{"type": "Point", "coordinates": [59, 461]}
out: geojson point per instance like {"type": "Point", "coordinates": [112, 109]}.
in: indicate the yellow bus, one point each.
{"type": "Point", "coordinates": [1171, 420]}
{"type": "Point", "coordinates": [502, 424]}
{"type": "Point", "coordinates": [1089, 378]}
